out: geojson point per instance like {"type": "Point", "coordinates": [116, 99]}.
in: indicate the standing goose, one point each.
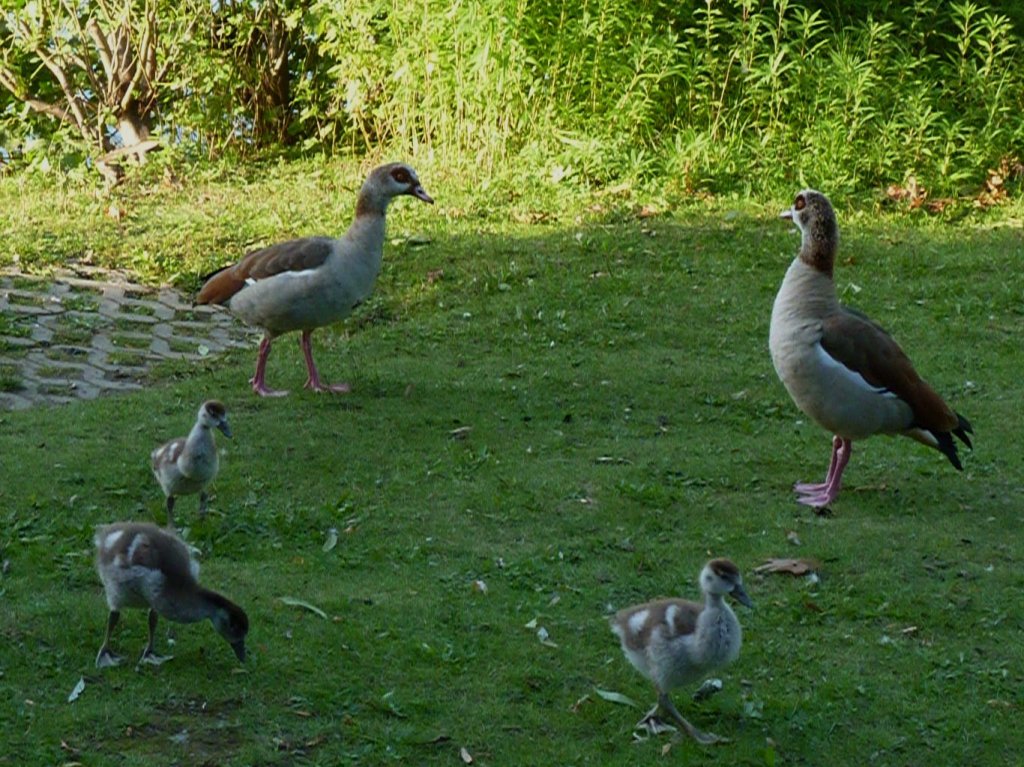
{"type": "Point", "coordinates": [674, 642]}
{"type": "Point", "coordinates": [144, 566]}
{"type": "Point", "coordinates": [842, 369]}
{"type": "Point", "coordinates": [187, 465]}
{"type": "Point", "coordinates": [315, 281]}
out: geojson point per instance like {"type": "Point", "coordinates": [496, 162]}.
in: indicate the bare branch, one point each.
{"type": "Point", "coordinates": [69, 92]}
{"type": "Point", "coordinates": [53, 110]}
{"type": "Point", "coordinates": [74, 56]}
{"type": "Point", "coordinates": [140, 64]}
{"type": "Point", "coordinates": [10, 82]}
{"type": "Point", "coordinates": [103, 49]}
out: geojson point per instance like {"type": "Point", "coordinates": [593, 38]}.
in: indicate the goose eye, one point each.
{"type": "Point", "coordinates": [401, 175]}
{"type": "Point", "coordinates": [800, 203]}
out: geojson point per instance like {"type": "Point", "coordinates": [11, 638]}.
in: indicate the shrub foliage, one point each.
{"type": "Point", "coordinates": [723, 95]}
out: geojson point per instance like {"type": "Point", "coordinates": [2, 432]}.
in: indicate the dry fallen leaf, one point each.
{"type": "Point", "coordinates": [575, 707]}
{"type": "Point", "coordinates": [332, 539]}
{"type": "Point", "coordinates": [292, 602]}
{"type": "Point", "coordinates": [708, 688]}
{"type": "Point", "coordinates": [615, 697]}
{"type": "Point", "coordinates": [545, 638]}
{"type": "Point", "coordinates": [799, 566]}
{"type": "Point", "coordinates": [460, 433]}
{"type": "Point", "coordinates": [465, 755]}
{"type": "Point", "coordinates": [79, 689]}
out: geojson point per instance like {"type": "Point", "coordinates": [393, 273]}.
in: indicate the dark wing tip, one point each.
{"type": "Point", "coordinates": [963, 428]}
{"type": "Point", "coordinates": [948, 448]}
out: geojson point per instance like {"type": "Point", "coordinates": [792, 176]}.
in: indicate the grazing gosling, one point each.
{"type": "Point", "coordinates": [674, 642]}
{"type": "Point", "coordinates": [142, 565]}
{"type": "Point", "coordinates": [187, 465]}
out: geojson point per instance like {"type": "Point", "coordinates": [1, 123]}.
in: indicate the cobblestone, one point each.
{"type": "Point", "coordinates": [82, 333]}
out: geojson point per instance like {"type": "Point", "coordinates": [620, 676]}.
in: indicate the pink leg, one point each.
{"type": "Point", "coordinates": [313, 382]}
{"type": "Point", "coordinates": [831, 489]}
{"type": "Point", "coordinates": [813, 488]}
{"type": "Point", "coordinates": [257, 381]}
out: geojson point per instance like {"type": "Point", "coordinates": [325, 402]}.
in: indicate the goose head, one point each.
{"type": "Point", "coordinates": [819, 231]}
{"type": "Point", "coordinates": [396, 179]}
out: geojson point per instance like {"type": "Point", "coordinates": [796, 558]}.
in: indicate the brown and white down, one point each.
{"type": "Point", "coordinates": [186, 465]}
{"type": "Point", "coordinates": [676, 642]}
{"type": "Point", "coordinates": [304, 284]}
{"type": "Point", "coordinates": [841, 368]}
{"type": "Point", "coordinates": [144, 566]}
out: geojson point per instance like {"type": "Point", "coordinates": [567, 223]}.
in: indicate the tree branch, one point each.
{"type": "Point", "coordinates": [65, 85]}
{"type": "Point", "coordinates": [102, 48]}
{"type": "Point", "coordinates": [140, 64]}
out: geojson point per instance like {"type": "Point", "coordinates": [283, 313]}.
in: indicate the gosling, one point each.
{"type": "Point", "coordinates": [675, 642]}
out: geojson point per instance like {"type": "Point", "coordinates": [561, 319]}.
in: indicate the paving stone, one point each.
{"type": "Point", "coordinates": [85, 332]}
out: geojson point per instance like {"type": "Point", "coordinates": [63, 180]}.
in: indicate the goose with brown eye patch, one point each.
{"type": "Point", "coordinates": [675, 642]}
{"type": "Point", "coordinates": [186, 465]}
{"type": "Point", "coordinates": [305, 284]}
{"type": "Point", "coordinates": [841, 368]}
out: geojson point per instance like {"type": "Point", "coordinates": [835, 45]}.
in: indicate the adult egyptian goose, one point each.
{"type": "Point", "coordinates": [674, 642]}
{"type": "Point", "coordinates": [187, 465]}
{"type": "Point", "coordinates": [144, 566]}
{"type": "Point", "coordinates": [842, 369]}
{"type": "Point", "coordinates": [315, 281]}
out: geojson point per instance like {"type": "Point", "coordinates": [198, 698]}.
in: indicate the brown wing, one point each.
{"type": "Point", "coordinates": [169, 453]}
{"type": "Point", "coordinates": [685, 616]}
{"type": "Point", "coordinates": [865, 348]}
{"type": "Point", "coordinates": [684, 620]}
{"type": "Point", "coordinates": [291, 256]}
{"type": "Point", "coordinates": [168, 553]}
{"type": "Point", "coordinates": [148, 546]}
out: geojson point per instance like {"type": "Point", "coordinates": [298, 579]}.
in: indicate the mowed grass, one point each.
{"type": "Point", "coordinates": [549, 421]}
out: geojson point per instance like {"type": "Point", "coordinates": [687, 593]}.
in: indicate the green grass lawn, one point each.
{"type": "Point", "coordinates": [573, 405]}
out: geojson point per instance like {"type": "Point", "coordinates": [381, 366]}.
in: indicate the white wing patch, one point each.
{"type": "Point", "coordinates": [852, 377]}
{"type": "Point", "coordinates": [670, 617]}
{"type": "Point", "coordinates": [637, 620]}
{"type": "Point", "coordinates": [111, 540]}
{"type": "Point", "coordinates": [290, 275]}
{"type": "Point", "coordinates": [137, 541]}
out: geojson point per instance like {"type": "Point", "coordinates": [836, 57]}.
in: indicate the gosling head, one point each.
{"type": "Point", "coordinates": [721, 577]}
{"type": "Point", "coordinates": [232, 623]}
{"type": "Point", "coordinates": [213, 414]}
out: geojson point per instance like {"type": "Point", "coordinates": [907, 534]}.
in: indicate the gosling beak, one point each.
{"type": "Point", "coordinates": [787, 214]}
{"type": "Point", "coordinates": [239, 648]}
{"type": "Point", "coordinates": [740, 596]}
{"type": "Point", "coordinates": [419, 191]}
{"type": "Point", "coordinates": [223, 426]}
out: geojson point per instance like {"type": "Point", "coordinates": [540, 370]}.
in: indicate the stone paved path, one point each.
{"type": "Point", "coordinates": [82, 333]}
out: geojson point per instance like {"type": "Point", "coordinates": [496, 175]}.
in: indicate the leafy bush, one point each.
{"type": "Point", "coordinates": [725, 96]}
